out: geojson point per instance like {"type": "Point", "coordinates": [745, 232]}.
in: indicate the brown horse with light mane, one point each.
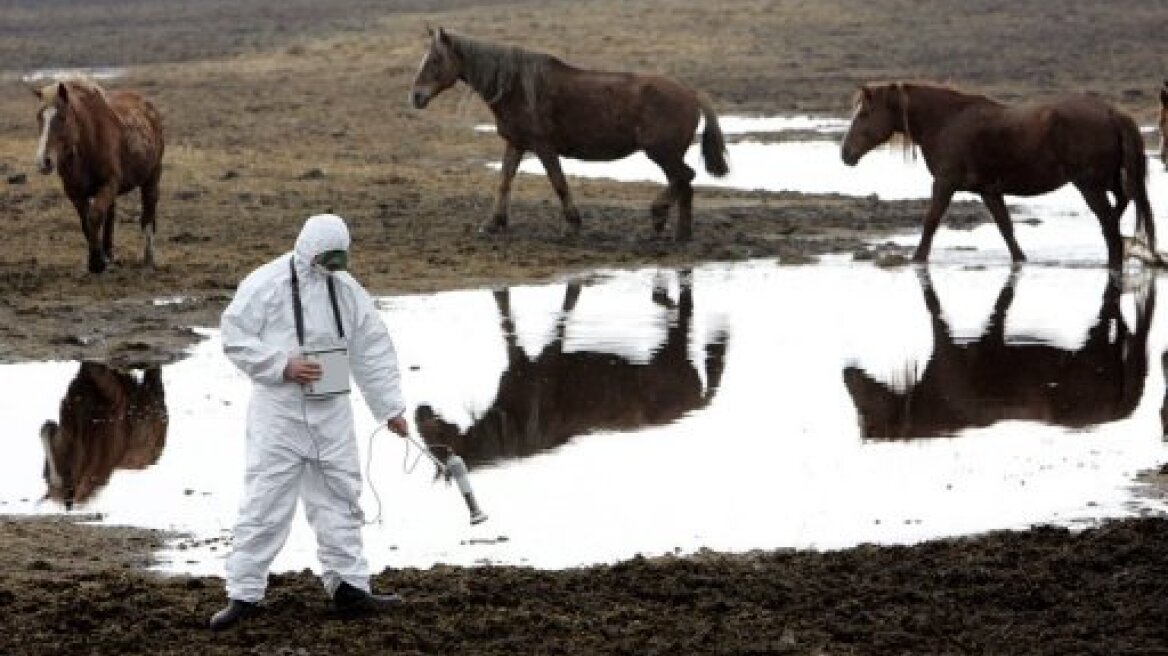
{"type": "Point", "coordinates": [102, 144]}
{"type": "Point", "coordinates": [109, 420]}
{"type": "Point", "coordinates": [545, 106]}
{"type": "Point", "coordinates": [975, 144]}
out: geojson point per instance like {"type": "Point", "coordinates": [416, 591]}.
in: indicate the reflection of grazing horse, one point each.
{"type": "Point", "coordinates": [103, 144]}
{"type": "Point", "coordinates": [975, 144]}
{"type": "Point", "coordinates": [545, 106]}
{"type": "Point", "coordinates": [543, 402]}
{"type": "Point", "coordinates": [109, 420]}
{"type": "Point", "coordinates": [977, 384]}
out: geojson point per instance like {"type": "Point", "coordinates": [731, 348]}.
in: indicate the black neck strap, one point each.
{"type": "Point", "coordinates": [299, 311]}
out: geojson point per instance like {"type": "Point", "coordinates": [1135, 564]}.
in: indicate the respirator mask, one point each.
{"type": "Point", "coordinates": [331, 261]}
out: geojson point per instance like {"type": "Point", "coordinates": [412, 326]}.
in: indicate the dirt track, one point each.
{"type": "Point", "coordinates": [277, 110]}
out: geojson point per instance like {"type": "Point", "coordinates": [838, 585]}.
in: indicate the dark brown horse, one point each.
{"type": "Point", "coordinates": [108, 420]}
{"type": "Point", "coordinates": [545, 106]}
{"type": "Point", "coordinates": [977, 384]}
{"type": "Point", "coordinates": [544, 401]}
{"type": "Point", "coordinates": [975, 144]}
{"type": "Point", "coordinates": [102, 144]}
{"type": "Point", "coordinates": [1164, 124]}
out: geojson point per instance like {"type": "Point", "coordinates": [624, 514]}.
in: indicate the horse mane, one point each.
{"type": "Point", "coordinates": [87, 96]}
{"type": "Point", "coordinates": [904, 136]}
{"type": "Point", "coordinates": [897, 94]}
{"type": "Point", "coordinates": [495, 70]}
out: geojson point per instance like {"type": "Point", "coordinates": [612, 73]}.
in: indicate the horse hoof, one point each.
{"type": "Point", "coordinates": [97, 264]}
{"type": "Point", "coordinates": [493, 227]}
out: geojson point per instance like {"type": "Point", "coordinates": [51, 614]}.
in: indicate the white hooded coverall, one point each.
{"type": "Point", "coordinates": [297, 446]}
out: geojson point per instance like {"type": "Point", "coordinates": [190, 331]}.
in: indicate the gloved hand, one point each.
{"type": "Point", "coordinates": [399, 425]}
{"type": "Point", "coordinates": [302, 370]}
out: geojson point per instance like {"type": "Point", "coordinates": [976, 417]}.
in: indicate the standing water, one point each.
{"type": "Point", "coordinates": [731, 407]}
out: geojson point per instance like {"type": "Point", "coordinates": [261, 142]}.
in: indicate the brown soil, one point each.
{"type": "Point", "coordinates": [277, 109]}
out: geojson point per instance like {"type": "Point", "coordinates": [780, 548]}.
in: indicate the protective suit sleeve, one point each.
{"type": "Point", "coordinates": [241, 325]}
{"type": "Point", "coordinates": [374, 360]}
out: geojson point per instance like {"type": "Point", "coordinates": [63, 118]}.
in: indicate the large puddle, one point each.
{"type": "Point", "coordinates": [731, 407]}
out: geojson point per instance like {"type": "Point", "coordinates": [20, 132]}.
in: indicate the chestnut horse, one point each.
{"type": "Point", "coordinates": [102, 145]}
{"type": "Point", "coordinates": [975, 144]}
{"type": "Point", "coordinates": [545, 106]}
{"type": "Point", "coordinates": [108, 420]}
{"type": "Point", "coordinates": [1164, 124]}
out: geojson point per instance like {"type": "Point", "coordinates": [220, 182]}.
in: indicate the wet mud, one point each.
{"type": "Point", "coordinates": [278, 110]}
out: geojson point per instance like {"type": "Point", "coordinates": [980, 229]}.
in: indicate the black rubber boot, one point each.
{"type": "Point", "coordinates": [349, 599]}
{"type": "Point", "coordinates": [233, 614]}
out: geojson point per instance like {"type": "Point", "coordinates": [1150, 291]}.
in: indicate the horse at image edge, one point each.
{"type": "Point", "coordinates": [975, 144]}
{"type": "Point", "coordinates": [548, 107]}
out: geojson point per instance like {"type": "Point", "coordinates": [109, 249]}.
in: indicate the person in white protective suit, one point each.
{"type": "Point", "coordinates": [301, 444]}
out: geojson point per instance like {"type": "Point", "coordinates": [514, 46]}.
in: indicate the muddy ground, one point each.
{"type": "Point", "coordinates": [276, 110]}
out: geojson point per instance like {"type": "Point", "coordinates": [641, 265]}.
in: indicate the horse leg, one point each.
{"type": "Point", "coordinates": [684, 230]}
{"type": "Point", "coordinates": [107, 231]}
{"type": "Point", "coordinates": [679, 175]}
{"type": "Point", "coordinates": [571, 295]}
{"type": "Point", "coordinates": [498, 219]}
{"type": "Point", "coordinates": [938, 203]}
{"type": "Point", "coordinates": [100, 216]}
{"type": "Point", "coordinates": [551, 164]}
{"type": "Point", "coordinates": [659, 210]}
{"type": "Point", "coordinates": [150, 195]}
{"type": "Point", "coordinates": [1108, 221]}
{"type": "Point", "coordinates": [997, 207]}
{"type": "Point", "coordinates": [507, 325]}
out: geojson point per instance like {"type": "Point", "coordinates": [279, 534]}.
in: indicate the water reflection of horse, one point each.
{"type": "Point", "coordinates": [108, 420]}
{"type": "Point", "coordinates": [544, 401]}
{"type": "Point", "coordinates": [975, 144]}
{"type": "Point", "coordinates": [967, 385]}
{"type": "Point", "coordinates": [102, 144]}
{"type": "Point", "coordinates": [545, 106]}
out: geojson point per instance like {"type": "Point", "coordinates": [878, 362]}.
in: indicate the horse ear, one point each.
{"type": "Point", "coordinates": [1164, 95]}
{"type": "Point", "coordinates": [443, 37]}
{"type": "Point", "coordinates": [62, 93]}
{"type": "Point", "coordinates": [866, 94]}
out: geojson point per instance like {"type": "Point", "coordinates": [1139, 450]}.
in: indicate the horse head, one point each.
{"type": "Point", "coordinates": [439, 70]}
{"type": "Point", "coordinates": [1164, 124]}
{"type": "Point", "coordinates": [878, 115]}
{"type": "Point", "coordinates": [55, 125]}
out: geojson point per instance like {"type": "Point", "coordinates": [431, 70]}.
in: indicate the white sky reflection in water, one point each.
{"type": "Point", "coordinates": [775, 460]}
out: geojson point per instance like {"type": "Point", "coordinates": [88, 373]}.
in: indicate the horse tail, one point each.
{"type": "Point", "coordinates": [1134, 174]}
{"type": "Point", "coordinates": [713, 144]}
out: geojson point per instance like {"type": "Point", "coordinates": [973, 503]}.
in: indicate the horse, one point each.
{"type": "Point", "coordinates": [543, 402]}
{"type": "Point", "coordinates": [978, 383]}
{"type": "Point", "coordinates": [976, 144]}
{"type": "Point", "coordinates": [108, 420]}
{"type": "Point", "coordinates": [102, 145]}
{"type": "Point", "coordinates": [548, 107]}
{"type": "Point", "coordinates": [1164, 124]}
